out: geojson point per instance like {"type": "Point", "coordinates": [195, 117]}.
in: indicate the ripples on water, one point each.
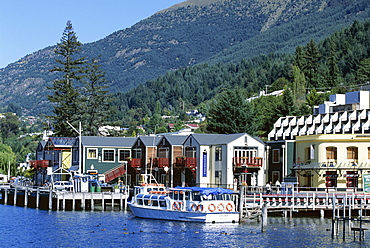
{"type": "Point", "coordinates": [26, 227]}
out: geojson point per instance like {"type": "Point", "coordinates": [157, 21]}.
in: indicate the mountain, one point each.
{"type": "Point", "coordinates": [189, 33]}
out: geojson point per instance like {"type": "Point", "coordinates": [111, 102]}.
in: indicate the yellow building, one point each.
{"type": "Point", "coordinates": [331, 146]}
{"type": "Point", "coordinates": [332, 160]}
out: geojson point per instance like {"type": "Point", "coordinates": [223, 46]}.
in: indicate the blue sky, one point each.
{"type": "Point", "coordinates": [30, 25]}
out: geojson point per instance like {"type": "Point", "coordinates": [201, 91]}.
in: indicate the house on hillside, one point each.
{"type": "Point", "coordinates": [225, 160]}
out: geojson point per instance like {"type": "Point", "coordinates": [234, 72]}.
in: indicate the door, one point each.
{"type": "Point", "coordinates": [66, 159]}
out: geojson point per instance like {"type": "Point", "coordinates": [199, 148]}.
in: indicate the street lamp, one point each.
{"type": "Point", "coordinates": [79, 144]}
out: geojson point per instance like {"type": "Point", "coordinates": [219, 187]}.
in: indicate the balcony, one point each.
{"type": "Point", "coordinates": [162, 162]}
{"type": "Point", "coordinates": [37, 164]}
{"type": "Point", "coordinates": [186, 162]}
{"type": "Point", "coordinates": [247, 162]}
{"type": "Point", "coordinates": [134, 162]}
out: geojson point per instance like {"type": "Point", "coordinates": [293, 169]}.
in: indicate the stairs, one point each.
{"type": "Point", "coordinates": [115, 172]}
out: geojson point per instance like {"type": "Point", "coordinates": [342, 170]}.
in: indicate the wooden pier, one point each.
{"type": "Point", "coordinates": [308, 201]}
{"type": "Point", "coordinates": [62, 200]}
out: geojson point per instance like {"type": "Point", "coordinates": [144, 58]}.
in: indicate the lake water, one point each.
{"type": "Point", "coordinates": [27, 227]}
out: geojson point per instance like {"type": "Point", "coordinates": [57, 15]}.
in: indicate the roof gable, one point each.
{"type": "Point", "coordinates": [101, 141]}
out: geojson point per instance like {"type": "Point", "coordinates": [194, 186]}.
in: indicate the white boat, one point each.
{"type": "Point", "coordinates": [194, 204]}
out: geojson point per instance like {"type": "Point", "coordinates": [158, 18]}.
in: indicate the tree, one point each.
{"type": "Point", "coordinates": [299, 59]}
{"type": "Point", "coordinates": [230, 113]}
{"type": "Point", "coordinates": [311, 65]}
{"type": "Point", "coordinates": [95, 100]}
{"type": "Point", "coordinates": [333, 70]}
{"type": "Point", "coordinates": [6, 156]}
{"type": "Point", "coordinates": [363, 72]}
{"type": "Point", "coordinates": [9, 125]}
{"type": "Point", "coordinates": [298, 87]}
{"type": "Point", "coordinates": [266, 112]}
{"type": "Point", "coordinates": [65, 96]}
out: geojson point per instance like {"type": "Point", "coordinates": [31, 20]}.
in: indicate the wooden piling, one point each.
{"type": "Point", "coordinates": [264, 218]}
{"type": "Point", "coordinates": [92, 202]}
{"type": "Point", "coordinates": [6, 197]}
{"type": "Point", "coordinates": [73, 201]}
{"type": "Point", "coordinates": [15, 196]}
{"type": "Point", "coordinates": [241, 202]}
{"type": "Point", "coordinates": [26, 197]}
{"type": "Point", "coordinates": [38, 198]}
{"type": "Point", "coordinates": [50, 199]}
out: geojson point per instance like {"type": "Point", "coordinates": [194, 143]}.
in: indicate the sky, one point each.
{"type": "Point", "coordinates": [27, 26]}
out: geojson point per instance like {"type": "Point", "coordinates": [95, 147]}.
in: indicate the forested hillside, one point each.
{"type": "Point", "coordinates": [339, 63]}
{"type": "Point", "coordinates": [188, 34]}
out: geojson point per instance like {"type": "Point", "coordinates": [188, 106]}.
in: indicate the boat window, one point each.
{"type": "Point", "coordinates": [196, 197]}
{"type": "Point", "coordinates": [139, 201]}
{"type": "Point", "coordinates": [147, 202]}
{"type": "Point", "coordinates": [155, 203]}
{"type": "Point", "coordinates": [227, 197]}
{"type": "Point", "coordinates": [219, 197]}
{"type": "Point", "coordinates": [178, 196]}
{"type": "Point", "coordinates": [162, 204]}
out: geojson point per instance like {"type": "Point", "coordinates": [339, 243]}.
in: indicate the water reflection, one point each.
{"type": "Point", "coordinates": [20, 227]}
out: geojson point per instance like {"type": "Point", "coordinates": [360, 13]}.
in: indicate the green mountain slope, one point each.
{"type": "Point", "coordinates": [186, 34]}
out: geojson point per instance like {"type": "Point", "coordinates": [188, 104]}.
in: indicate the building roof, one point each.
{"type": "Point", "coordinates": [175, 140]}
{"type": "Point", "coordinates": [346, 122]}
{"type": "Point", "coordinates": [62, 141]}
{"type": "Point", "coordinates": [150, 140]}
{"type": "Point", "coordinates": [101, 141]}
{"type": "Point", "coordinates": [220, 139]}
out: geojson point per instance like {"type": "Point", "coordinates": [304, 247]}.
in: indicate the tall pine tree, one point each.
{"type": "Point", "coordinates": [96, 100]}
{"type": "Point", "coordinates": [311, 66]}
{"type": "Point", "coordinates": [231, 113]}
{"type": "Point", "coordinates": [65, 96]}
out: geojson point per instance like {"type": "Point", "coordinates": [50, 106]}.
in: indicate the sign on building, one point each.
{"type": "Point", "coordinates": [366, 182]}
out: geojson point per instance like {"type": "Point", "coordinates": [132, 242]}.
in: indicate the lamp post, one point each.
{"type": "Point", "coordinates": [79, 144]}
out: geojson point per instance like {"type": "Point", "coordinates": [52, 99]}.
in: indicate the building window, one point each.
{"type": "Point", "coordinates": [123, 154]}
{"type": "Point", "coordinates": [352, 152]}
{"type": "Point", "coordinates": [92, 153]}
{"type": "Point", "coordinates": [331, 152]}
{"type": "Point", "coordinates": [163, 152]}
{"type": "Point", "coordinates": [190, 152]}
{"type": "Point", "coordinates": [218, 153]}
{"type": "Point", "coordinates": [108, 155]}
{"type": "Point", "coordinates": [276, 156]}
{"type": "Point", "coordinates": [331, 179]}
{"type": "Point", "coordinates": [137, 153]}
{"type": "Point", "coordinates": [352, 179]}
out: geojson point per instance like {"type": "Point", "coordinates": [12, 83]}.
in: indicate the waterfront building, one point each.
{"type": "Point", "coordinates": [104, 154]}
{"type": "Point", "coordinates": [226, 160]}
{"type": "Point", "coordinates": [329, 149]}
{"type": "Point", "coordinates": [55, 153]}
{"type": "Point", "coordinates": [222, 160]}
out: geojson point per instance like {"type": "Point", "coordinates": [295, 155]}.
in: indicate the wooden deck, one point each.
{"type": "Point", "coordinates": [62, 200]}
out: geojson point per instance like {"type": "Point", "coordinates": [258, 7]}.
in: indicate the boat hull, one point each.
{"type": "Point", "coordinates": [177, 215]}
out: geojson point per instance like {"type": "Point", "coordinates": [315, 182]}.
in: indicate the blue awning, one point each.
{"type": "Point", "coordinates": [207, 191]}
{"type": "Point", "coordinates": [73, 168]}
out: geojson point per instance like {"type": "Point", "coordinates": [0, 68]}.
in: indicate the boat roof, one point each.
{"type": "Point", "coordinates": [207, 191]}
